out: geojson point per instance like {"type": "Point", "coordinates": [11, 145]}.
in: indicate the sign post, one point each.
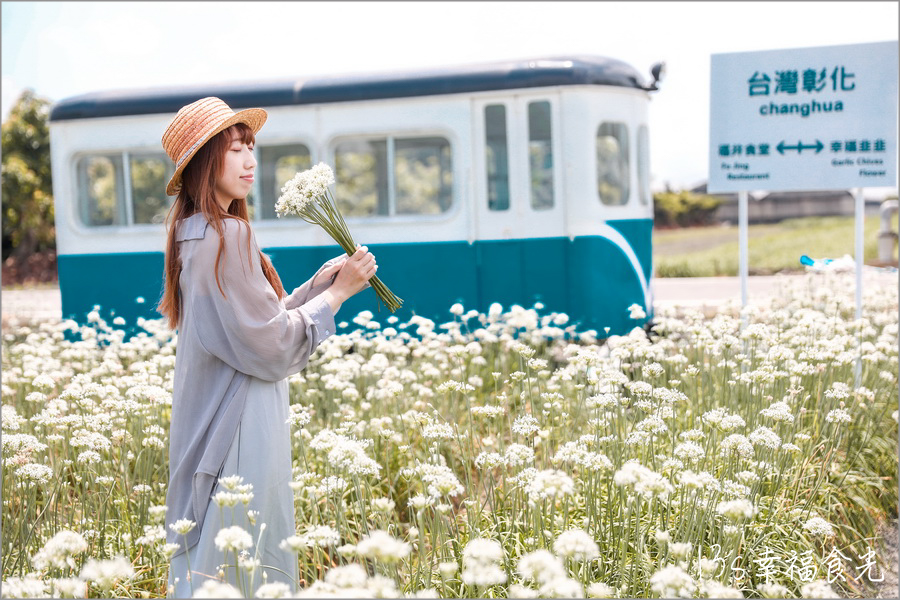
{"type": "Point", "coordinates": [860, 220]}
{"type": "Point", "coordinates": [801, 119]}
{"type": "Point", "coordinates": [743, 233]}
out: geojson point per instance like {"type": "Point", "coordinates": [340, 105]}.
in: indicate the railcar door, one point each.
{"type": "Point", "coordinates": [521, 248]}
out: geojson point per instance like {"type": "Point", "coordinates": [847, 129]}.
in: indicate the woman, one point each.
{"type": "Point", "coordinates": [239, 337]}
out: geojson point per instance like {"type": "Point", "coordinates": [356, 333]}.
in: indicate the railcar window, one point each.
{"type": "Point", "coordinates": [643, 164]}
{"type": "Point", "coordinates": [540, 154]}
{"type": "Point", "coordinates": [278, 164]}
{"type": "Point", "coordinates": [361, 187]}
{"type": "Point", "coordinates": [496, 156]}
{"type": "Point", "coordinates": [101, 197]}
{"type": "Point", "coordinates": [149, 176]}
{"type": "Point", "coordinates": [612, 163]}
{"type": "Point", "coordinates": [424, 179]}
{"type": "Point", "coordinates": [388, 176]}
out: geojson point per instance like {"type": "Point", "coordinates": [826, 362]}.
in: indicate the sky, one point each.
{"type": "Point", "coordinates": [63, 49]}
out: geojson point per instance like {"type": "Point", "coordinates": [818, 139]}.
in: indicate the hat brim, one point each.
{"type": "Point", "coordinates": [254, 118]}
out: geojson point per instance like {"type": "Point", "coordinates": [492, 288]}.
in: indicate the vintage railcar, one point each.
{"type": "Point", "coordinates": [510, 182]}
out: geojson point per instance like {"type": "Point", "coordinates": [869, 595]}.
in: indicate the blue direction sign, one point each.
{"type": "Point", "coordinates": [804, 119]}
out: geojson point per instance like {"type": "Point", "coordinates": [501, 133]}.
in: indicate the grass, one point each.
{"type": "Point", "coordinates": [773, 248]}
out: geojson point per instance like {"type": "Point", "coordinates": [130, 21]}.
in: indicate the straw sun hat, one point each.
{"type": "Point", "coordinates": [195, 124]}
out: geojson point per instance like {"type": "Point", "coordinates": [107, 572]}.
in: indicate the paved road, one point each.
{"type": "Point", "coordinates": [694, 292]}
{"type": "Point", "coordinates": [37, 304]}
{"type": "Point", "coordinates": [716, 291]}
{"type": "Point", "coordinates": [697, 291]}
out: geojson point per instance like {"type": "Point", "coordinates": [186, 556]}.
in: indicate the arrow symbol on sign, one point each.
{"type": "Point", "coordinates": [800, 147]}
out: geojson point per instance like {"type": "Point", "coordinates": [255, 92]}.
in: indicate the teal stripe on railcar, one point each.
{"type": "Point", "coordinates": [523, 272]}
{"type": "Point", "coordinates": [639, 233]}
{"type": "Point", "coordinates": [604, 284]}
{"type": "Point", "coordinates": [588, 278]}
{"type": "Point", "coordinates": [113, 281]}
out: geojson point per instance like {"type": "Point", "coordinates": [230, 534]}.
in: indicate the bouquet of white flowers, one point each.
{"type": "Point", "coordinates": [307, 195]}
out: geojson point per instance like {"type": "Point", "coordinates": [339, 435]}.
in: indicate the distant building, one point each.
{"type": "Point", "coordinates": [777, 206]}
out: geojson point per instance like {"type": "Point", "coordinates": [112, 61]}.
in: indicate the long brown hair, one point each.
{"type": "Point", "coordinates": [197, 194]}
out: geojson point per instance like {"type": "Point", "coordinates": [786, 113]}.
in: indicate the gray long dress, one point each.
{"type": "Point", "coordinates": [230, 399]}
{"type": "Point", "coordinates": [261, 454]}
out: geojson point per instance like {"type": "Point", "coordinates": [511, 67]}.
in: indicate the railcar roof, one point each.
{"type": "Point", "coordinates": [505, 75]}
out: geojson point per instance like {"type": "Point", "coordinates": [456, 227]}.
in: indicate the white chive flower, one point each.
{"type": "Point", "coordinates": [182, 526]}
{"type": "Point", "coordinates": [275, 589]}
{"type": "Point", "coordinates": [105, 573]}
{"type": "Point", "coordinates": [438, 431]}
{"type": "Point", "coordinates": [303, 188]}
{"type": "Point", "coordinates": [217, 589]}
{"type": "Point", "coordinates": [233, 538]}
{"type": "Point", "coordinates": [646, 482]}
{"type": "Point", "coordinates": [549, 483]}
{"type": "Point", "coordinates": [562, 587]}
{"type": "Point", "coordinates": [689, 450]}
{"type": "Point", "coordinates": [598, 589]}
{"type": "Point", "coordinates": [526, 425]}
{"type": "Point", "coordinates": [673, 582]}
{"type": "Point", "coordinates": [352, 575]}
{"type": "Point", "coordinates": [736, 443]}
{"type": "Point", "coordinates": [381, 546]}
{"type": "Point", "coordinates": [482, 560]}
{"type": "Point", "coordinates": [838, 415]}
{"type": "Point", "coordinates": [778, 411]}
{"type": "Point", "coordinates": [489, 460]}
{"type": "Point", "coordinates": [680, 550]}
{"type": "Point", "coordinates": [541, 566]}
{"type": "Point", "coordinates": [819, 526]}
{"type": "Point", "coordinates": [322, 536]}
{"type": "Point", "coordinates": [576, 544]}
{"type": "Point", "coordinates": [636, 312]}
{"type": "Point", "coordinates": [518, 455]}
{"type": "Point", "coordinates": [59, 550]}
{"type": "Point", "coordinates": [763, 436]}
{"type": "Point", "coordinates": [819, 588]}
{"type": "Point", "coordinates": [737, 509]}
{"type": "Point", "coordinates": [714, 589]}
{"type": "Point", "coordinates": [772, 590]}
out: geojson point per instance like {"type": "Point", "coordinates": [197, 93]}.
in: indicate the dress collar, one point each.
{"type": "Point", "coordinates": [191, 228]}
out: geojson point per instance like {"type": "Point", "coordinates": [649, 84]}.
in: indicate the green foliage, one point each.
{"type": "Point", "coordinates": [684, 209]}
{"type": "Point", "coordinates": [28, 224]}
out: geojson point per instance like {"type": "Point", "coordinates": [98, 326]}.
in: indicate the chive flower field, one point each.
{"type": "Point", "coordinates": [498, 454]}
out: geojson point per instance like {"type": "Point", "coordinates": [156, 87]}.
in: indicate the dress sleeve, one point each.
{"type": "Point", "coordinates": [302, 294]}
{"type": "Point", "coordinates": [249, 328]}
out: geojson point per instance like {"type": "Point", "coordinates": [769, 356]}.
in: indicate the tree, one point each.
{"type": "Point", "coordinates": [28, 221]}
{"type": "Point", "coordinates": [684, 208]}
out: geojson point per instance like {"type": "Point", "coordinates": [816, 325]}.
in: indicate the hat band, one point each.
{"type": "Point", "coordinates": [188, 152]}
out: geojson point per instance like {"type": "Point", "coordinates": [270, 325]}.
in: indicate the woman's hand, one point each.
{"type": "Point", "coordinates": [355, 272]}
{"type": "Point", "coordinates": [329, 271]}
{"type": "Point", "coordinates": [352, 277]}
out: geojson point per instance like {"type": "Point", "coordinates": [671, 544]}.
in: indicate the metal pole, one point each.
{"type": "Point", "coordinates": [742, 241]}
{"type": "Point", "coordinates": [860, 222]}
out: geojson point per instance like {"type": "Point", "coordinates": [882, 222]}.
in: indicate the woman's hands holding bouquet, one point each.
{"type": "Point", "coordinates": [307, 195]}
{"type": "Point", "coordinates": [353, 274]}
